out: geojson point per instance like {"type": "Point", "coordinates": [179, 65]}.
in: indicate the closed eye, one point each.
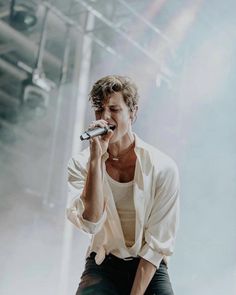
{"type": "Point", "coordinates": [114, 110]}
{"type": "Point", "coordinates": [99, 111]}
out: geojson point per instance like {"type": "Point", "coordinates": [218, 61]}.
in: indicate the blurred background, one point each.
{"type": "Point", "coordinates": [182, 56]}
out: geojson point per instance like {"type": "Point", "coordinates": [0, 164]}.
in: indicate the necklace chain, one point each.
{"type": "Point", "coordinates": [118, 157]}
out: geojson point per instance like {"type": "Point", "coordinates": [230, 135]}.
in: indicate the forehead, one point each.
{"type": "Point", "coordinates": [115, 98]}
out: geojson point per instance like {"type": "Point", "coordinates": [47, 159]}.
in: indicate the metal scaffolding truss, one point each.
{"type": "Point", "coordinates": [88, 7]}
{"type": "Point", "coordinates": [113, 21]}
{"type": "Point", "coordinates": [121, 12]}
{"type": "Point", "coordinates": [109, 23]}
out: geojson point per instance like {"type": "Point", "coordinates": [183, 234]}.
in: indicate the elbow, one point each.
{"type": "Point", "coordinates": [90, 226]}
{"type": "Point", "coordinates": [94, 218]}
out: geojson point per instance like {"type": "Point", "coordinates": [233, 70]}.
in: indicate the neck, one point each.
{"type": "Point", "coordinates": [117, 149]}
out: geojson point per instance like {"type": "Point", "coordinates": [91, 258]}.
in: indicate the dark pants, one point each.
{"type": "Point", "coordinates": [115, 276]}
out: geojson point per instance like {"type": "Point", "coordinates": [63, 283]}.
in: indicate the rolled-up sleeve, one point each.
{"type": "Point", "coordinates": [75, 207]}
{"type": "Point", "coordinates": [162, 225]}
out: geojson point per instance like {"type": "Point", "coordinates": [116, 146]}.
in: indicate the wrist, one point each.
{"type": "Point", "coordinates": [95, 160]}
{"type": "Point", "coordinates": [136, 292]}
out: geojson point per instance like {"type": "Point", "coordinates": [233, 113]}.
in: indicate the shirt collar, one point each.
{"type": "Point", "coordinates": [142, 151]}
{"type": "Point", "coordinates": [139, 145]}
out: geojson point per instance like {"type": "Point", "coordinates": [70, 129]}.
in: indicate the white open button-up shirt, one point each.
{"type": "Point", "coordinates": [156, 200]}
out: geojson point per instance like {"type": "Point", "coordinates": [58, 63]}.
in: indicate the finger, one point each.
{"type": "Point", "coordinates": [107, 136]}
{"type": "Point", "coordinates": [93, 139]}
{"type": "Point", "coordinates": [98, 123]}
{"type": "Point", "coordinates": [103, 122]}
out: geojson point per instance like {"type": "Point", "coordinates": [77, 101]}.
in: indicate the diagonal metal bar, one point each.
{"type": "Point", "coordinates": [106, 21]}
{"type": "Point", "coordinates": [145, 21]}
{"type": "Point", "coordinates": [79, 28]}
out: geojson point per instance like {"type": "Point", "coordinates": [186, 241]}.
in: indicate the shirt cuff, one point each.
{"type": "Point", "coordinates": [150, 255]}
{"type": "Point", "coordinates": [75, 215]}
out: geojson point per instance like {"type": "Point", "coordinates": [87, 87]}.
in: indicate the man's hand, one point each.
{"type": "Point", "coordinates": [99, 144]}
{"type": "Point", "coordinates": [143, 277]}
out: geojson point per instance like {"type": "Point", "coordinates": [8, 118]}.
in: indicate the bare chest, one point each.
{"type": "Point", "coordinates": [122, 172]}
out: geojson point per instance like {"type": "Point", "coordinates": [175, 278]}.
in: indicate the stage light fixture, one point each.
{"type": "Point", "coordinates": [22, 17]}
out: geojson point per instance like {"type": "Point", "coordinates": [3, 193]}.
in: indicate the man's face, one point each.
{"type": "Point", "coordinates": [115, 112]}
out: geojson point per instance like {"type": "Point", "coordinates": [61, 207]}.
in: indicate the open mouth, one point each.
{"type": "Point", "coordinates": [112, 127]}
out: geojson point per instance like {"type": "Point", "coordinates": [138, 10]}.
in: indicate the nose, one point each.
{"type": "Point", "coordinates": [106, 115]}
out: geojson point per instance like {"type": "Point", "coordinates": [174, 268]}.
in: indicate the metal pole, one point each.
{"type": "Point", "coordinates": [110, 24]}
{"type": "Point", "coordinates": [39, 60]}
{"type": "Point", "coordinates": [80, 110]}
{"type": "Point", "coordinates": [64, 67]}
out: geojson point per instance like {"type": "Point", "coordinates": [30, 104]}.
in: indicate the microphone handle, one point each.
{"type": "Point", "coordinates": [94, 132]}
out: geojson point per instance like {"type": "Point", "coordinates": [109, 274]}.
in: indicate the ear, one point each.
{"type": "Point", "coordinates": [133, 114]}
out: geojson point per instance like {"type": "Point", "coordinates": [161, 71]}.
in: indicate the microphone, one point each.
{"type": "Point", "coordinates": [96, 132]}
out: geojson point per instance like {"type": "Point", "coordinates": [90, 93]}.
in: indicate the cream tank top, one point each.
{"type": "Point", "coordinates": [123, 197]}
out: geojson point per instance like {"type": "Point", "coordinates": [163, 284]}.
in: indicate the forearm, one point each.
{"type": "Point", "coordinates": [92, 195]}
{"type": "Point", "coordinates": [144, 275]}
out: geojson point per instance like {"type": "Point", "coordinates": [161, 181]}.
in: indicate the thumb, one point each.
{"type": "Point", "coordinates": [107, 136]}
